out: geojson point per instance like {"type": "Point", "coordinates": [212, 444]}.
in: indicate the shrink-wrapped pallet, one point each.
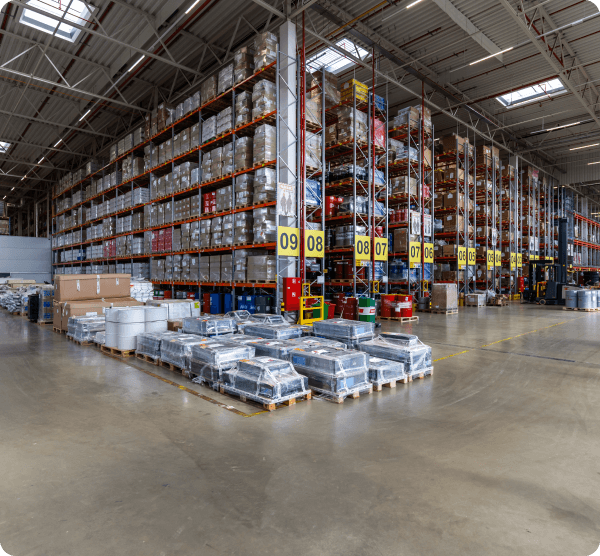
{"type": "Point", "coordinates": [209, 359]}
{"type": "Point", "coordinates": [178, 350]}
{"type": "Point", "coordinates": [349, 332]}
{"type": "Point", "coordinates": [209, 326]}
{"type": "Point", "coordinates": [273, 331]}
{"type": "Point", "coordinates": [149, 343]}
{"type": "Point", "coordinates": [383, 371]}
{"type": "Point", "coordinates": [404, 348]}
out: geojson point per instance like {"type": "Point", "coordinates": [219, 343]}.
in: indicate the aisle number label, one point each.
{"type": "Point", "coordinates": [381, 249]}
{"type": "Point", "coordinates": [533, 257]}
{"type": "Point", "coordinates": [428, 254]}
{"type": "Point", "coordinates": [414, 254]}
{"type": "Point", "coordinates": [551, 259]}
{"type": "Point", "coordinates": [513, 261]}
{"type": "Point", "coordinates": [498, 258]}
{"type": "Point", "coordinates": [472, 254]}
{"type": "Point", "coordinates": [314, 243]}
{"type": "Point", "coordinates": [462, 257]}
{"type": "Point", "coordinates": [362, 248]}
{"type": "Point", "coordinates": [288, 241]}
{"type": "Point", "coordinates": [519, 260]}
{"type": "Point", "coordinates": [491, 259]}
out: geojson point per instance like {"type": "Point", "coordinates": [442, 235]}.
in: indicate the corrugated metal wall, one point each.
{"type": "Point", "coordinates": [578, 168]}
{"type": "Point", "coordinates": [26, 257]}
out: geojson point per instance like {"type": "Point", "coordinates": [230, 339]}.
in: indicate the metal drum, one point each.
{"type": "Point", "coordinates": [585, 300]}
{"type": "Point", "coordinates": [571, 299]}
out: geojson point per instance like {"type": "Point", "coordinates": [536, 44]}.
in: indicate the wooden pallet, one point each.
{"type": "Point", "coordinates": [152, 360]}
{"type": "Point", "coordinates": [16, 313]}
{"type": "Point", "coordinates": [401, 319]}
{"type": "Point", "coordinates": [173, 368]}
{"type": "Point", "coordinates": [580, 309]}
{"type": "Point", "coordinates": [44, 322]}
{"type": "Point", "coordinates": [268, 406]}
{"type": "Point", "coordinates": [440, 311]}
{"type": "Point", "coordinates": [262, 163]}
{"type": "Point", "coordinates": [119, 352]}
{"type": "Point", "coordinates": [355, 394]}
{"type": "Point", "coordinates": [379, 386]}
{"type": "Point", "coordinates": [418, 376]}
{"type": "Point", "coordinates": [57, 330]}
{"type": "Point", "coordinates": [499, 303]}
{"type": "Point", "coordinates": [78, 342]}
{"type": "Point", "coordinates": [261, 281]}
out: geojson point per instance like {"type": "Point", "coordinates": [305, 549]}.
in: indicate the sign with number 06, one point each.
{"type": "Point", "coordinates": [462, 257]}
{"type": "Point", "coordinates": [288, 241]}
{"type": "Point", "coordinates": [414, 254]}
{"type": "Point", "coordinates": [381, 249]}
{"type": "Point", "coordinates": [362, 248]}
{"type": "Point", "coordinates": [428, 253]}
{"type": "Point", "coordinates": [314, 243]}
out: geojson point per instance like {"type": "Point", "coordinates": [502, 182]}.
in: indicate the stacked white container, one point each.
{"type": "Point", "coordinates": [156, 319]}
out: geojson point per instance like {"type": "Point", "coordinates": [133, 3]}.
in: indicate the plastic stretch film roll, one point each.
{"type": "Point", "coordinates": [132, 315]}
{"type": "Point", "coordinates": [157, 326]}
{"type": "Point", "coordinates": [571, 299]}
{"type": "Point", "coordinates": [154, 314]}
{"type": "Point", "coordinates": [131, 329]}
{"type": "Point", "coordinates": [594, 299]}
{"type": "Point", "coordinates": [584, 299]}
{"type": "Point", "coordinates": [112, 314]}
{"type": "Point", "coordinates": [126, 343]}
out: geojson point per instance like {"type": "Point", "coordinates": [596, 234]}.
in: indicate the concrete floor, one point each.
{"type": "Point", "coordinates": [497, 454]}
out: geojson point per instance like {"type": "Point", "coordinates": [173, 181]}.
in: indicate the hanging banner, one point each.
{"type": "Point", "coordinates": [498, 258]}
{"type": "Point", "coordinates": [519, 260]}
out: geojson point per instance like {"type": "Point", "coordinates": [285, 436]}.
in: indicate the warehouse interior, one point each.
{"type": "Point", "coordinates": [299, 275]}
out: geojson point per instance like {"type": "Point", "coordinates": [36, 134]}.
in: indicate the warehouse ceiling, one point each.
{"type": "Point", "coordinates": [75, 75]}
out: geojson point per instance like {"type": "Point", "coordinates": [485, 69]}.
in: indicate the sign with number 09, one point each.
{"type": "Point", "coordinates": [362, 248]}
{"type": "Point", "coordinates": [314, 243]}
{"type": "Point", "coordinates": [288, 241]}
{"type": "Point", "coordinates": [381, 249]}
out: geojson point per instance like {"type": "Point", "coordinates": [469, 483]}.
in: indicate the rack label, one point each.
{"type": "Point", "coordinates": [362, 248]}
{"type": "Point", "coordinates": [288, 241]}
{"type": "Point", "coordinates": [462, 257]}
{"type": "Point", "coordinates": [428, 253]}
{"type": "Point", "coordinates": [551, 259]}
{"type": "Point", "coordinates": [513, 261]}
{"type": "Point", "coordinates": [414, 254]}
{"type": "Point", "coordinates": [472, 254]}
{"type": "Point", "coordinates": [314, 243]}
{"type": "Point", "coordinates": [381, 249]}
{"type": "Point", "coordinates": [491, 259]}
{"type": "Point", "coordinates": [520, 260]}
{"type": "Point", "coordinates": [498, 258]}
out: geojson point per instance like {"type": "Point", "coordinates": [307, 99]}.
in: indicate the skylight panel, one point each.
{"type": "Point", "coordinates": [4, 146]}
{"type": "Point", "coordinates": [333, 61]}
{"type": "Point", "coordinates": [77, 12]}
{"type": "Point", "coordinates": [534, 93]}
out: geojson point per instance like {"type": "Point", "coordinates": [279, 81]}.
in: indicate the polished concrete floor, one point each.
{"type": "Point", "coordinates": [497, 454]}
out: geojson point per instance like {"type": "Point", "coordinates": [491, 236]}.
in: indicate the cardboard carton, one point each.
{"type": "Point", "coordinates": [78, 287]}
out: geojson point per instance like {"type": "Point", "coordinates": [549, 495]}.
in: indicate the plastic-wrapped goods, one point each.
{"type": "Point", "coordinates": [267, 318]}
{"type": "Point", "coordinates": [264, 98]}
{"type": "Point", "coordinates": [350, 332]}
{"type": "Point", "coordinates": [209, 326]}
{"type": "Point", "coordinates": [278, 349]}
{"type": "Point", "coordinates": [404, 348]}
{"type": "Point", "coordinates": [347, 117]}
{"type": "Point", "coordinates": [313, 150]}
{"type": "Point", "coordinates": [208, 89]}
{"type": "Point", "coordinates": [225, 120]}
{"type": "Point", "coordinates": [178, 350]}
{"type": "Point", "coordinates": [265, 144]}
{"type": "Point", "coordinates": [384, 371]}
{"type": "Point", "coordinates": [265, 380]}
{"type": "Point", "coordinates": [225, 79]}
{"type": "Point", "coordinates": [265, 227]}
{"type": "Point", "coordinates": [262, 268]}
{"type": "Point", "coordinates": [148, 343]}
{"type": "Point", "coordinates": [273, 331]}
{"type": "Point", "coordinates": [307, 342]}
{"type": "Point", "coordinates": [244, 154]}
{"type": "Point", "coordinates": [243, 108]}
{"type": "Point", "coordinates": [244, 189]}
{"type": "Point", "coordinates": [210, 359]}
{"type": "Point", "coordinates": [330, 88]}
{"type": "Point", "coordinates": [240, 338]}
{"type": "Point", "coordinates": [243, 64]}
{"type": "Point", "coordinates": [333, 371]}
{"type": "Point", "coordinates": [209, 129]}
{"type": "Point", "coordinates": [84, 329]}
{"type": "Point", "coordinates": [265, 50]}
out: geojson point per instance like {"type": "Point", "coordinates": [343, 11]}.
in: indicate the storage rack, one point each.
{"type": "Point", "coordinates": [209, 107]}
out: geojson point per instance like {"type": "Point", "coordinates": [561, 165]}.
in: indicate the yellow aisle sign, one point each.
{"type": "Point", "coordinates": [362, 248]}
{"type": "Point", "coordinates": [414, 254]}
{"type": "Point", "coordinates": [462, 257]}
{"type": "Point", "coordinates": [428, 254]}
{"type": "Point", "coordinates": [491, 259]}
{"type": "Point", "coordinates": [288, 241]}
{"type": "Point", "coordinates": [498, 259]}
{"type": "Point", "coordinates": [551, 259]}
{"type": "Point", "coordinates": [519, 260]}
{"type": "Point", "coordinates": [314, 243]}
{"type": "Point", "coordinates": [472, 256]}
{"type": "Point", "coordinates": [381, 249]}
{"type": "Point", "coordinates": [513, 261]}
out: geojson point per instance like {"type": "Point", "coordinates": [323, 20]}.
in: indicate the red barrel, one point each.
{"type": "Point", "coordinates": [350, 308]}
{"type": "Point", "coordinates": [331, 206]}
{"type": "Point", "coordinates": [340, 269]}
{"type": "Point", "coordinates": [361, 272]}
{"type": "Point", "coordinates": [379, 231]}
{"type": "Point", "coordinates": [339, 302]}
{"type": "Point", "coordinates": [404, 303]}
{"type": "Point", "coordinates": [206, 302]}
{"type": "Point", "coordinates": [167, 294]}
{"type": "Point", "coordinates": [191, 295]}
{"type": "Point", "coordinates": [387, 305]}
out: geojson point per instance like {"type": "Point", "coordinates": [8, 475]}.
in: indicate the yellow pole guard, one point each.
{"type": "Point", "coordinates": [375, 286]}
{"type": "Point", "coordinates": [304, 308]}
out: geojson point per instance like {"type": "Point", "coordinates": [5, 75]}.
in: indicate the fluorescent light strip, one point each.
{"type": "Point", "coordinates": [400, 10]}
{"type": "Point", "coordinates": [41, 160]}
{"type": "Point", "coordinates": [138, 62]}
{"type": "Point", "coordinates": [13, 189]}
{"type": "Point", "coordinates": [592, 163]}
{"type": "Point", "coordinates": [192, 7]}
{"type": "Point", "coordinates": [82, 117]}
{"type": "Point", "coordinates": [58, 143]}
{"type": "Point", "coordinates": [492, 56]}
{"type": "Point", "coordinates": [413, 4]}
{"type": "Point", "coordinates": [586, 147]}
{"type": "Point", "coordinates": [555, 128]}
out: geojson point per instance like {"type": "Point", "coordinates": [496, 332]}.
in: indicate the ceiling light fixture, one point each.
{"type": "Point", "coordinates": [492, 56]}
{"type": "Point", "coordinates": [413, 4]}
{"type": "Point", "coordinates": [592, 163]}
{"type": "Point", "coordinates": [555, 128]}
{"type": "Point", "coordinates": [401, 10]}
{"type": "Point", "coordinates": [13, 189]}
{"type": "Point", "coordinates": [82, 117]}
{"type": "Point", "coordinates": [58, 143]}
{"type": "Point", "coordinates": [192, 7]}
{"type": "Point", "coordinates": [586, 146]}
{"type": "Point", "coordinates": [138, 62]}
{"type": "Point", "coordinates": [41, 160]}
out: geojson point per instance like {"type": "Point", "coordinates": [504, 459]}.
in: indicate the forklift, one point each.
{"type": "Point", "coordinates": [547, 280]}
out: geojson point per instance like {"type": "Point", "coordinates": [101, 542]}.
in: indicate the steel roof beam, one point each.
{"type": "Point", "coordinates": [35, 145]}
{"type": "Point", "coordinates": [18, 162]}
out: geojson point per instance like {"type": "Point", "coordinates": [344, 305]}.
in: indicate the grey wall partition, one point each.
{"type": "Point", "coordinates": [26, 257]}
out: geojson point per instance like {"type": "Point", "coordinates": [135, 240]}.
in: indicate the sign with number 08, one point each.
{"type": "Point", "coordinates": [314, 243]}
{"type": "Point", "coordinates": [288, 241]}
{"type": "Point", "coordinates": [362, 248]}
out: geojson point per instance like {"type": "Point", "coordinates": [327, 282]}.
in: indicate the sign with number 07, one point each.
{"type": "Point", "coordinates": [381, 249]}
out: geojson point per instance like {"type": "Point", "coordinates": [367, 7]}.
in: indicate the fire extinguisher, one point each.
{"type": "Point", "coordinates": [521, 284]}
